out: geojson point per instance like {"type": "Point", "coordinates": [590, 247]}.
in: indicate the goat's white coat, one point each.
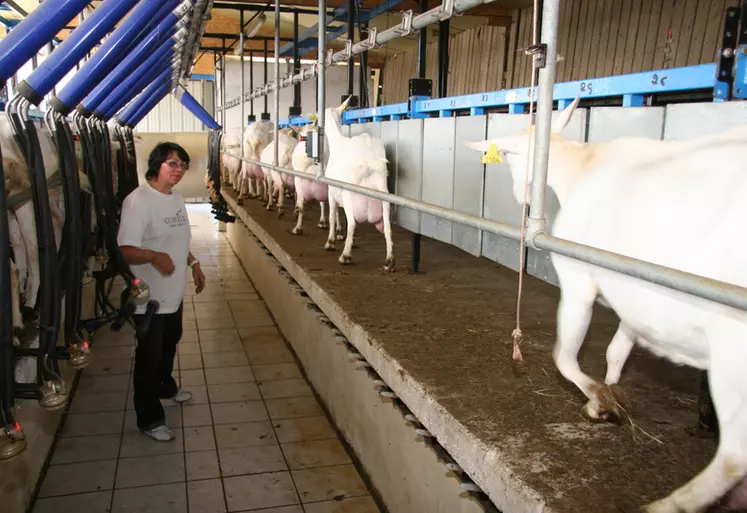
{"type": "Point", "coordinates": [675, 203]}
{"type": "Point", "coordinates": [360, 160]}
{"type": "Point", "coordinates": [306, 189]}
{"type": "Point", "coordinates": [279, 181]}
{"type": "Point", "coordinates": [231, 143]}
{"type": "Point", "coordinates": [256, 136]}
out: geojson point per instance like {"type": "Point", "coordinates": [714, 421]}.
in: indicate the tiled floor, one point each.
{"type": "Point", "coordinates": [253, 438]}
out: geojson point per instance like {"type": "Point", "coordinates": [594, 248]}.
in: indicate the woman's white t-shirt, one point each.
{"type": "Point", "coordinates": [158, 222]}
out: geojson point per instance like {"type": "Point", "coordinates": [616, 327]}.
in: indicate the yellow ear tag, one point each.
{"type": "Point", "coordinates": [493, 156]}
{"type": "Point", "coordinates": [312, 117]}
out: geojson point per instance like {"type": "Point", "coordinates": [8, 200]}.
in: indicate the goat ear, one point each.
{"type": "Point", "coordinates": [345, 104]}
{"type": "Point", "coordinates": [565, 116]}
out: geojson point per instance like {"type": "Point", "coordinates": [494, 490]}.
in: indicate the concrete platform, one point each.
{"type": "Point", "coordinates": [441, 341]}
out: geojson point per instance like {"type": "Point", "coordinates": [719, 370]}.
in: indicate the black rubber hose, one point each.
{"type": "Point", "coordinates": [7, 356]}
{"type": "Point", "coordinates": [49, 290]}
{"type": "Point", "coordinates": [74, 261]}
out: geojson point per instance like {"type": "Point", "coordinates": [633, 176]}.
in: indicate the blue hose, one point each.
{"type": "Point", "coordinates": [36, 30]}
{"type": "Point", "coordinates": [195, 108]}
{"type": "Point", "coordinates": [149, 105]}
{"type": "Point", "coordinates": [164, 30]}
{"type": "Point", "coordinates": [165, 64]}
{"type": "Point", "coordinates": [164, 77]}
{"type": "Point", "coordinates": [165, 51]}
{"type": "Point", "coordinates": [106, 56]}
{"type": "Point", "coordinates": [72, 50]}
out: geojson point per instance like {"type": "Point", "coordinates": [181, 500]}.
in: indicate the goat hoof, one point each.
{"type": "Point", "coordinates": [389, 265]}
{"type": "Point", "coordinates": [329, 246]}
{"type": "Point", "coordinates": [240, 201]}
{"type": "Point", "coordinates": [323, 225]}
{"type": "Point", "coordinates": [297, 231]}
{"type": "Point", "coordinates": [610, 405]}
{"type": "Point", "coordinates": [345, 260]}
{"type": "Point", "coordinates": [281, 213]}
{"type": "Point", "coordinates": [339, 236]}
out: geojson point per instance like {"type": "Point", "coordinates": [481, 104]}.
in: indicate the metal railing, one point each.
{"type": "Point", "coordinates": [536, 236]}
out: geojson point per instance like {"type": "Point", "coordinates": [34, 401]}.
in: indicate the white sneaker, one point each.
{"type": "Point", "coordinates": [161, 433]}
{"type": "Point", "coordinates": [182, 396]}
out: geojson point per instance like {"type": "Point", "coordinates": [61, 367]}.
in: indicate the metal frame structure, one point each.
{"type": "Point", "coordinates": [631, 87]}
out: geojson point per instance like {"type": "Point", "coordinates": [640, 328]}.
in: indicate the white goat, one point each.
{"type": "Point", "coordinates": [306, 189]}
{"type": "Point", "coordinates": [231, 166]}
{"type": "Point", "coordinates": [256, 136]}
{"type": "Point", "coordinates": [279, 181]}
{"type": "Point", "coordinates": [645, 199]}
{"type": "Point", "coordinates": [360, 160]}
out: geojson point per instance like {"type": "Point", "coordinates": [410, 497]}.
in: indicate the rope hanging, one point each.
{"type": "Point", "coordinates": [517, 335]}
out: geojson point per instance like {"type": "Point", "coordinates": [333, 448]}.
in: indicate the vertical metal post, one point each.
{"type": "Point", "coordinates": [216, 96]}
{"type": "Point", "coordinates": [351, 37]}
{"type": "Point", "coordinates": [363, 76]}
{"type": "Point", "coordinates": [277, 81]}
{"type": "Point", "coordinates": [251, 82]}
{"type": "Point", "coordinates": [443, 58]}
{"type": "Point", "coordinates": [265, 70]}
{"type": "Point", "coordinates": [296, 62]}
{"type": "Point", "coordinates": [223, 82]}
{"type": "Point", "coordinates": [422, 38]}
{"type": "Point", "coordinates": [243, 85]}
{"type": "Point", "coordinates": [321, 89]}
{"type": "Point", "coordinates": [536, 221]}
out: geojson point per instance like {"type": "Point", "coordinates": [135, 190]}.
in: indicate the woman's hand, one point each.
{"type": "Point", "coordinates": [198, 277]}
{"type": "Point", "coordinates": [162, 262]}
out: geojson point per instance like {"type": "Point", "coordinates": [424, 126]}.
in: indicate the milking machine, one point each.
{"type": "Point", "coordinates": [49, 388]}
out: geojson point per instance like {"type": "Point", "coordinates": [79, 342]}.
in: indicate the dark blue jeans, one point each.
{"type": "Point", "coordinates": [154, 363]}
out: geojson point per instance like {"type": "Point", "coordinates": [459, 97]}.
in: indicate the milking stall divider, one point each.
{"type": "Point", "coordinates": [151, 54]}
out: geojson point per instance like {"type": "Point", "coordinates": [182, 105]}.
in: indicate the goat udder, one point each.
{"type": "Point", "coordinates": [380, 226]}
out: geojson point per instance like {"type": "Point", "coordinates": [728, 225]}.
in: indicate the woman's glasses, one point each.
{"type": "Point", "coordinates": [173, 164]}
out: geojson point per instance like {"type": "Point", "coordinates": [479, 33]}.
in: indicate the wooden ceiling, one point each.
{"type": "Point", "coordinates": [227, 21]}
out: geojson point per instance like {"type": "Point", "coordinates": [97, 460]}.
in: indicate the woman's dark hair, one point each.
{"type": "Point", "coordinates": [160, 154]}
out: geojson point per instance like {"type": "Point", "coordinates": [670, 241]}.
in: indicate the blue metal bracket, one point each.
{"type": "Point", "coordinates": [307, 39]}
{"type": "Point", "coordinates": [295, 121]}
{"type": "Point", "coordinates": [632, 88]}
{"type": "Point", "coordinates": [383, 112]}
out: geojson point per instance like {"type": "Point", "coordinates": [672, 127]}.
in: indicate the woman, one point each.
{"type": "Point", "coordinates": [154, 237]}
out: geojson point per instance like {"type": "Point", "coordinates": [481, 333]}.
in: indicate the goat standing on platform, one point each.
{"type": "Point", "coordinates": [359, 160]}
{"type": "Point", "coordinates": [309, 189]}
{"type": "Point", "coordinates": [256, 137]}
{"type": "Point", "coordinates": [279, 181]}
{"type": "Point", "coordinates": [646, 199]}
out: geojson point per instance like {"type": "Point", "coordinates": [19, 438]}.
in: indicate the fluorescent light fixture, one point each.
{"type": "Point", "coordinates": [258, 24]}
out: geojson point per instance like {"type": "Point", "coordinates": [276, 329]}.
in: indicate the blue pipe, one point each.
{"type": "Point", "coordinates": [163, 32]}
{"type": "Point", "coordinates": [164, 11]}
{"type": "Point", "coordinates": [36, 30]}
{"type": "Point", "coordinates": [150, 76]}
{"type": "Point", "coordinates": [166, 50]}
{"type": "Point", "coordinates": [141, 95]}
{"type": "Point", "coordinates": [104, 58]}
{"type": "Point", "coordinates": [72, 50]}
{"type": "Point", "coordinates": [149, 105]}
{"type": "Point", "coordinates": [195, 108]}
{"type": "Point", "coordinates": [145, 111]}
{"type": "Point", "coordinates": [163, 78]}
